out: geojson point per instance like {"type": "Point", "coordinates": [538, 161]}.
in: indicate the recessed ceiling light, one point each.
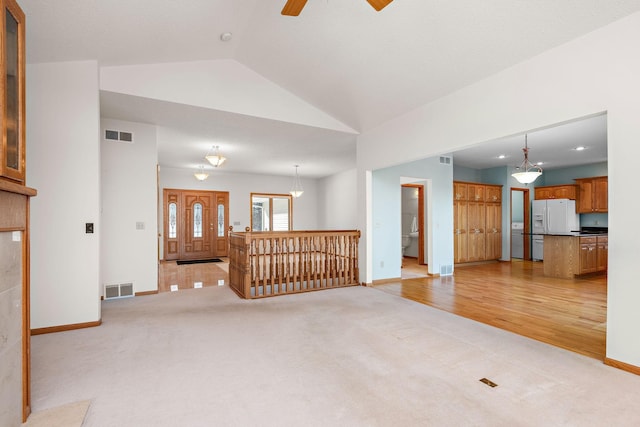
{"type": "Point", "coordinates": [540, 163]}
{"type": "Point", "coordinates": [502, 156]}
{"type": "Point", "coordinates": [225, 37]}
{"type": "Point", "coordinates": [580, 148]}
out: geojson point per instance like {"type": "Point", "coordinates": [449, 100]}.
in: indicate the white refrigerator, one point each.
{"type": "Point", "coordinates": [554, 216]}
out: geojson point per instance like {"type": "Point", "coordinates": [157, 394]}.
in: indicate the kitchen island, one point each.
{"type": "Point", "coordinates": [573, 254]}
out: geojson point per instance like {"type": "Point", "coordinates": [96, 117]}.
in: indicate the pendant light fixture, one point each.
{"type": "Point", "coordinates": [215, 159]}
{"type": "Point", "coordinates": [296, 188]}
{"type": "Point", "coordinates": [200, 174]}
{"type": "Point", "coordinates": [528, 171]}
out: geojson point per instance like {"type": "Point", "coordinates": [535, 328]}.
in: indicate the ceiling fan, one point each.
{"type": "Point", "coordinates": [294, 7]}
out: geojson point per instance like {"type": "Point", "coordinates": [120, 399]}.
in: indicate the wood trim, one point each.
{"type": "Point", "coordinates": [384, 281]}
{"type": "Point", "coordinates": [13, 187]}
{"type": "Point", "coordinates": [62, 328]}
{"type": "Point", "coordinates": [421, 225]}
{"type": "Point", "coordinates": [140, 294]}
{"type": "Point", "coordinates": [621, 365]}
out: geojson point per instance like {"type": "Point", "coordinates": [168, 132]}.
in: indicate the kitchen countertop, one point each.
{"type": "Point", "coordinates": [573, 234]}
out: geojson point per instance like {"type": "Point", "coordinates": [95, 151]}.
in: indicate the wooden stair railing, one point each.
{"type": "Point", "coordinates": [269, 263]}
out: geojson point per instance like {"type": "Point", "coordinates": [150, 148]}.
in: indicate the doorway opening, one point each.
{"type": "Point", "coordinates": [413, 236]}
{"type": "Point", "coordinates": [520, 224]}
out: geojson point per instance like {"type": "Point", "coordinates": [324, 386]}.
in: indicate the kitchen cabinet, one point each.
{"type": "Point", "coordinates": [12, 107]}
{"type": "Point", "coordinates": [569, 256]}
{"type": "Point", "coordinates": [555, 192]}
{"type": "Point", "coordinates": [460, 191]}
{"type": "Point", "coordinates": [602, 253]}
{"type": "Point", "coordinates": [476, 192]}
{"type": "Point", "coordinates": [493, 193]}
{"type": "Point", "coordinates": [593, 195]}
{"type": "Point", "coordinates": [493, 231]}
{"type": "Point", "coordinates": [460, 215]}
{"type": "Point", "coordinates": [477, 221]}
{"type": "Point", "coordinates": [588, 257]}
{"type": "Point", "coordinates": [476, 232]}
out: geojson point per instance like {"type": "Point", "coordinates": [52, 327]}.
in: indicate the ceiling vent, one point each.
{"type": "Point", "coordinates": [118, 136]}
{"type": "Point", "coordinates": [445, 160]}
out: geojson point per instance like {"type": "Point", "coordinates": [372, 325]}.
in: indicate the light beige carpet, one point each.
{"type": "Point", "coordinates": [342, 357]}
{"type": "Point", "coordinates": [69, 415]}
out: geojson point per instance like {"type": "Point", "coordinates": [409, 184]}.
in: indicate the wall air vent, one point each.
{"type": "Point", "coordinates": [122, 290]}
{"type": "Point", "coordinates": [445, 160]}
{"type": "Point", "coordinates": [115, 135]}
{"type": "Point", "coordinates": [446, 270]}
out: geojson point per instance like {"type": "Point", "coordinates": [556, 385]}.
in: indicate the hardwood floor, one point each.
{"type": "Point", "coordinates": [514, 296]}
{"type": "Point", "coordinates": [517, 297]}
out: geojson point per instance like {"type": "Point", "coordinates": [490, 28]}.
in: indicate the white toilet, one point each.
{"type": "Point", "coordinates": [406, 241]}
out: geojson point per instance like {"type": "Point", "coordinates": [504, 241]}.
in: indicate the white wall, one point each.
{"type": "Point", "coordinates": [386, 216]}
{"type": "Point", "coordinates": [240, 187]}
{"type": "Point", "coordinates": [595, 73]}
{"type": "Point", "coordinates": [63, 152]}
{"type": "Point", "coordinates": [129, 185]}
{"type": "Point", "coordinates": [337, 207]}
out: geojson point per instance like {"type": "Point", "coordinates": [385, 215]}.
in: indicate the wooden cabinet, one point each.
{"type": "Point", "coordinates": [460, 191]}
{"type": "Point", "coordinates": [569, 256]}
{"type": "Point", "coordinates": [493, 193]}
{"type": "Point", "coordinates": [12, 107]}
{"type": "Point", "coordinates": [493, 231]}
{"type": "Point", "coordinates": [556, 192]}
{"type": "Point", "coordinates": [593, 195]}
{"type": "Point", "coordinates": [602, 253]}
{"type": "Point", "coordinates": [588, 258]}
{"type": "Point", "coordinates": [477, 210]}
{"type": "Point", "coordinates": [460, 215]}
{"type": "Point", "coordinates": [476, 232]}
{"type": "Point", "coordinates": [476, 192]}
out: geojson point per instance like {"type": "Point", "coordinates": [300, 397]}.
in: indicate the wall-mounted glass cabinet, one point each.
{"type": "Point", "coordinates": [12, 154]}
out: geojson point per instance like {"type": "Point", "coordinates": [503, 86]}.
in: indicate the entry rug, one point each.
{"type": "Point", "coordinates": [198, 261]}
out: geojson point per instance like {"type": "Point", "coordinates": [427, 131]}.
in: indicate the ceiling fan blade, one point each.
{"type": "Point", "coordinates": [379, 4]}
{"type": "Point", "coordinates": [293, 7]}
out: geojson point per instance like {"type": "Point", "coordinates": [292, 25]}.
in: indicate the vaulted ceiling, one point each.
{"type": "Point", "coordinates": [357, 65]}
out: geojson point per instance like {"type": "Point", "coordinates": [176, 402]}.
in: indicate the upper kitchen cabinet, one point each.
{"type": "Point", "coordinates": [555, 192]}
{"type": "Point", "coordinates": [593, 195]}
{"type": "Point", "coordinates": [12, 106]}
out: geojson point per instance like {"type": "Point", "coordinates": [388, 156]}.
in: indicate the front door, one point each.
{"type": "Point", "coordinates": [195, 224]}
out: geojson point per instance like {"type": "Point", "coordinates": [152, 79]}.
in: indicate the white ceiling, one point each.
{"type": "Point", "coordinates": [360, 66]}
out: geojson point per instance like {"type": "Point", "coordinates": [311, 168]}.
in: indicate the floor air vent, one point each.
{"type": "Point", "coordinates": [114, 135]}
{"type": "Point", "coordinates": [123, 290]}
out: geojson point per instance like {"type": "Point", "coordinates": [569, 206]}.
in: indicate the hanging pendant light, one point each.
{"type": "Point", "coordinates": [215, 159]}
{"type": "Point", "coordinates": [528, 171]}
{"type": "Point", "coordinates": [200, 174]}
{"type": "Point", "coordinates": [296, 188]}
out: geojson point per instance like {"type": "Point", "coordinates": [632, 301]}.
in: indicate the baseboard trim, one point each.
{"type": "Point", "coordinates": [383, 281]}
{"type": "Point", "coordinates": [621, 365]}
{"type": "Point", "coordinates": [141, 294]}
{"type": "Point", "coordinates": [62, 328]}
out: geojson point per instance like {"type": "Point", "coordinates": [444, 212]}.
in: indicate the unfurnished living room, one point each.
{"type": "Point", "coordinates": [290, 212]}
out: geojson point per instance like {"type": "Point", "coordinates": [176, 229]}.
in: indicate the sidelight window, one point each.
{"type": "Point", "coordinates": [197, 220]}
